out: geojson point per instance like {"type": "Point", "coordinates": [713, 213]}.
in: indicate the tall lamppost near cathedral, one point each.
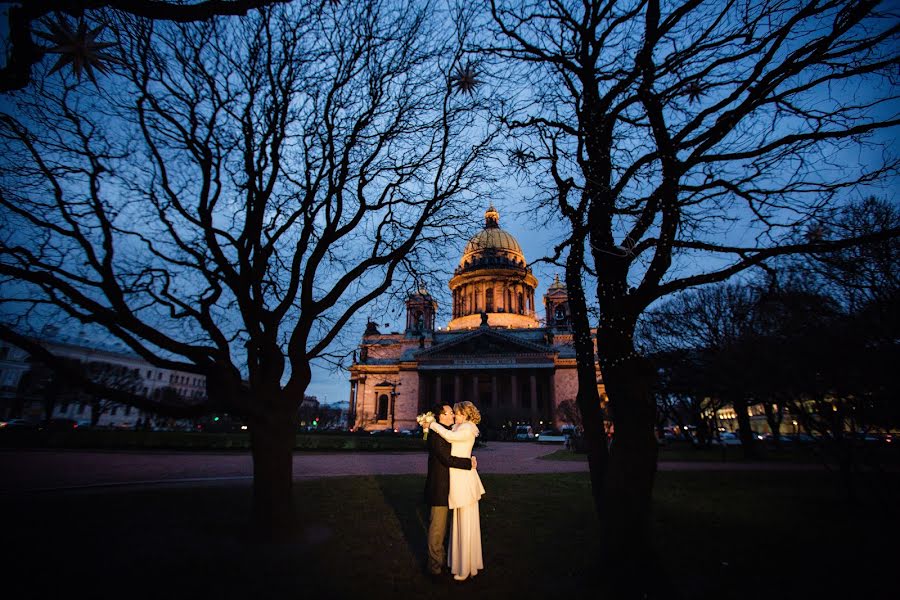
{"type": "Point", "coordinates": [394, 393]}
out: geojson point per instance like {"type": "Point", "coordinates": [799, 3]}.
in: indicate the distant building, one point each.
{"type": "Point", "coordinates": [25, 382]}
{"type": "Point", "coordinates": [494, 352]}
{"type": "Point", "coordinates": [307, 411]}
{"type": "Point", "coordinates": [13, 366]}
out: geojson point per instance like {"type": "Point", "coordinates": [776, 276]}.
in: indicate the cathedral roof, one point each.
{"type": "Point", "coordinates": [464, 343]}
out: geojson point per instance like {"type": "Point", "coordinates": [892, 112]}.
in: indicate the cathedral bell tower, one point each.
{"type": "Point", "coordinates": [420, 312]}
{"type": "Point", "coordinates": [556, 304]}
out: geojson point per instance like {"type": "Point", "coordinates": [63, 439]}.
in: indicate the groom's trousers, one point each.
{"type": "Point", "coordinates": [437, 533]}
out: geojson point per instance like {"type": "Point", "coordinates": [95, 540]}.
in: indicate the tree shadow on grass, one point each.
{"type": "Point", "coordinates": [405, 498]}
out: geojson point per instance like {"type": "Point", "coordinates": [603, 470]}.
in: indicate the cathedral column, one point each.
{"type": "Point", "coordinates": [552, 399]}
{"type": "Point", "coordinates": [457, 388]}
{"type": "Point", "coordinates": [533, 381]}
{"type": "Point", "coordinates": [475, 397]}
{"type": "Point", "coordinates": [514, 390]}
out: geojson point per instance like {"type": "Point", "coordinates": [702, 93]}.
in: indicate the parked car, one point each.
{"type": "Point", "coordinates": [524, 433]}
{"type": "Point", "coordinates": [62, 424]}
{"type": "Point", "coordinates": [799, 438]}
{"type": "Point", "coordinates": [388, 431]}
{"type": "Point", "coordinates": [727, 438]}
{"type": "Point", "coordinates": [21, 424]}
{"type": "Point", "coordinates": [551, 436]}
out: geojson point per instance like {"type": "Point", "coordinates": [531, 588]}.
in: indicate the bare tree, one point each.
{"type": "Point", "coordinates": [861, 276]}
{"type": "Point", "coordinates": [700, 337]}
{"type": "Point", "coordinates": [82, 47]}
{"type": "Point", "coordinates": [685, 393]}
{"type": "Point", "coordinates": [115, 377]}
{"type": "Point", "coordinates": [683, 142]}
{"type": "Point", "coordinates": [567, 412]}
{"type": "Point", "coordinates": [240, 195]}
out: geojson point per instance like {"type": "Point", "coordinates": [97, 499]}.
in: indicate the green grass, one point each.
{"type": "Point", "coordinates": [666, 453]}
{"type": "Point", "coordinates": [684, 452]}
{"type": "Point", "coordinates": [720, 535]}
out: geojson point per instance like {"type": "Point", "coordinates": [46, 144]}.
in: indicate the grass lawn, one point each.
{"type": "Point", "coordinates": [666, 453]}
{"type": "Point", "coordinates": [684, 452]}
{"type": "Point", "coordinates": [720, 535]}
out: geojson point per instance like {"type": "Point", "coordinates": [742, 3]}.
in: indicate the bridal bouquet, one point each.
{"type": "Point", "coordinates": [425, 418]}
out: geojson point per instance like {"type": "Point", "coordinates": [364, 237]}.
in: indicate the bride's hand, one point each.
{"type": "Point", "coordinates": [474, 463]}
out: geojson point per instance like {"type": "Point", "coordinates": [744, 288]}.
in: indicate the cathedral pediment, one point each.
{"type": "Point", "coordinates": [484, 342]}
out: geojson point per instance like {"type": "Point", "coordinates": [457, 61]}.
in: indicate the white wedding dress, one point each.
{"type": "Point", "coordinates": [466, 490]}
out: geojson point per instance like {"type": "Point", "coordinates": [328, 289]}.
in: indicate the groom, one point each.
{"type": "Point", "coordinates": [437, 490]}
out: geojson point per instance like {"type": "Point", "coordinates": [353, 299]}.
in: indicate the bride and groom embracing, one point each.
{"type": "Point", "coordinates": [452, 484]}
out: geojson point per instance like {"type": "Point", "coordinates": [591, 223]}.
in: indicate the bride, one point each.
{"type": "Point", "coordinates": [466, 490]}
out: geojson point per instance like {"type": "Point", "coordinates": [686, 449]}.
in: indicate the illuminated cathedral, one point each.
{"type": "Point", "coordinates": [495, 351]}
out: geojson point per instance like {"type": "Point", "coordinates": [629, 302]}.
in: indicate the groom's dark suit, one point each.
{"type": "Point", "coordinates": [437, 481]}
{"type": "Point", "coordinates": [437, 493]}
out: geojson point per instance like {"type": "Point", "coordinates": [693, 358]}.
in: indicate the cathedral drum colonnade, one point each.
{"type": "Point", "coordinates": [494, 351]}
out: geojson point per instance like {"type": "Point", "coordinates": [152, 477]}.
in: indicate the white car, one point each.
{"type": "Point", "coordinates": [524, 432]}
{"type": "Point", "coordinates": [551, 436]}
{"type": "Point", "coordinates": [727, 438]}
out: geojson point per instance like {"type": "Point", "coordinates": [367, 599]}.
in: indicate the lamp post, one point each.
{"type": "Point", "coordinates": [393, 402]}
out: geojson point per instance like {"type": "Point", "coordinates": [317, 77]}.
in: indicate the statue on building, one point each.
{"type": "Point", "coordinates": [484, 319]}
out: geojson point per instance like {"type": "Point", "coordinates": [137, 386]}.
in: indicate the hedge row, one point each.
{"type": "Point", "coordinates": [173, 440]}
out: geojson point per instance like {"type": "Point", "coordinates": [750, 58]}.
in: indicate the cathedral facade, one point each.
{"type": "Point", "coordinates": [495, 351]}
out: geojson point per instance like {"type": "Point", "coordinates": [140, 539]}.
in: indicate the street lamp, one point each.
{"type": "Point", "coordinates": [393, 402]}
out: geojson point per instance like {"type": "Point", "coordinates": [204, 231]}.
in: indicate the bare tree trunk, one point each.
{"type": "Point", "coordinates": [748, 443]}
{"type": "Point", "coordinates": [273, 436]}
{"type": "Point", "coordinates": [774, 418]}
{"type": "Point", "coordinates": [51, 395]}
{"type": "Point", "coordinates": [632, 465]}
{"type": "Point", "coordinates": [588, 398]}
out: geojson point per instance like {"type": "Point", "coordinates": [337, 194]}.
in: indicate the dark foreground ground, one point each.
{"type": "Point", "coordinates": [720, 534]}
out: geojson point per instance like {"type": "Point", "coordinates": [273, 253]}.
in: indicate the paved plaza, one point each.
{"type": "Point", "coordinates": [45, 470]}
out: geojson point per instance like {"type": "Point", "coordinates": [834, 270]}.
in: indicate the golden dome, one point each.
{"type": "Point", "coordinates": [492, 240]}
{"type": "Point", "coordinates": [493, 279]}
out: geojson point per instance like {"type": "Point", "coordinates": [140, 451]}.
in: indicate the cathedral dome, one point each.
{"type": "Point", "coordinates": [492, 243]}
{"type": "Point", "coordinates": [493, 285]}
